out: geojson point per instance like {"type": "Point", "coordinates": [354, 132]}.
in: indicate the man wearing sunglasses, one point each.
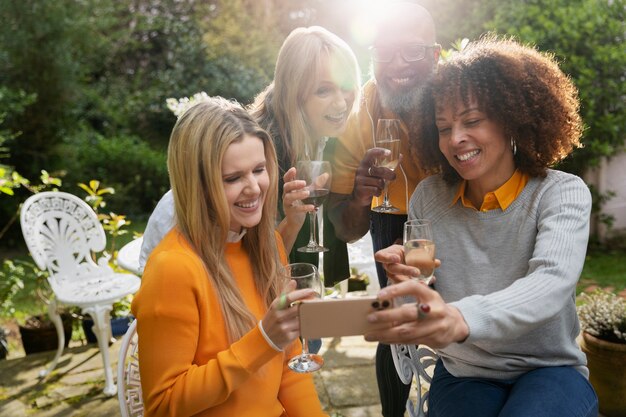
{"type": "Point", "coordinates": [404, 55]}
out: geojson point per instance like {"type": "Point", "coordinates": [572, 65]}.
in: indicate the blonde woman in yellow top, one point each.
{"type": "Point", "coordinates": [214, 281]}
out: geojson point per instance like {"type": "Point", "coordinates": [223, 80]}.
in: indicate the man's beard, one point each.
{"type": "Point", "coordinates": [402, 102]}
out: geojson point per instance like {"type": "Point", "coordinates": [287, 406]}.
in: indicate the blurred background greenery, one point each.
{"type": "Point", "coordinates": [83, 83]}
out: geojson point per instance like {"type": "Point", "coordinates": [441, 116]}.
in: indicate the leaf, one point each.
{"type": "Point", "coordinates": [94, 184]}
{"type": "Point", "coordinates": [84, 187]}
{"type": "Point", "coordinates": [7, 190]}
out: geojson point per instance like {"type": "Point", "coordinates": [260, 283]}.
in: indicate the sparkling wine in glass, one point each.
{"type": "Point", "coordinates": [388, 137]}
{"type": "Point", "coordinates": [317, 175]}
{"type": "Point", "coordinates": [419, 248]}
{"type": "Point", "coordinates": [306, 276]}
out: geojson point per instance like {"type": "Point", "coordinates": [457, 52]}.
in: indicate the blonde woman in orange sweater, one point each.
{"type": "Point", "coordinates": [214, 333]}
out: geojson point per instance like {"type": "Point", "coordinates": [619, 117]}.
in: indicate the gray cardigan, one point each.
{"type": "Point", "coordinates": [511, 273]}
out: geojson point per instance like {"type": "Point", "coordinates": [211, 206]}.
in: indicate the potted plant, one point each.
{"type": "Point", "coordinates": [24, 287]}
{"type": "Point", "coordinates": [603, 323]}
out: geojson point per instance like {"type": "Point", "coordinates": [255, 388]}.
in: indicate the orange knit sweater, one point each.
{"type": "Point", "coordinates": [187, 365]}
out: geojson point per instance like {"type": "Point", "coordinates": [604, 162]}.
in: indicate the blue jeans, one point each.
{"type": "Point", "coordinates": [314, 345]}
{"type": "Point", "coordinates": [385, 229]}
{"type": "Point", "coordinates": [559, 391]}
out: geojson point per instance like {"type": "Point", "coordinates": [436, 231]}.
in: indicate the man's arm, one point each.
{"type": "Point", "coordinates": [351, 221]}
{"type": "Point", "coordinates": [349, 213]}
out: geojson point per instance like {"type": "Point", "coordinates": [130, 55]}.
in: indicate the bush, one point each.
{"type": "Point", "coordinates": [136, 171]}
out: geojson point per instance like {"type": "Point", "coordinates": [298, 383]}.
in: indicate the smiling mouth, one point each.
{"type": "Point", "coordinates": [466, 156]}
{"type": "Point", "coordinates": [336, 118]}
{"type": "Point", "coordinates": [248, 205]}
{"type": "Point", "coordinates": [401, 81]}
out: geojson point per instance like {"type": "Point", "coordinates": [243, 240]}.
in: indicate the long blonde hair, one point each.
{"type": "Point", "coordinates": [279, 108]}
{"type": "Point", "coordinates": [197, 146]}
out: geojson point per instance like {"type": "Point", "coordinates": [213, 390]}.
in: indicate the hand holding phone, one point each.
{"type": "Point", "coordinates": [339, 317]}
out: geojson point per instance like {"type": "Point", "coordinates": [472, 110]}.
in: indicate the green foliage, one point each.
{"type": "Point", "coordinates": [605, 268]}
{"type": "Point", "coordinates": [456, 19]}
{"type": "Point", "coordinates": [95, 194]}
{"type": "Point", "coordinates": [233, 33]}
{"type": "Point", "coordinates": [39, 45]}
{"type": "Point", "coordinates": [137, 172]}
{"type": "Point", "coordinates": [23, 287]}
{"type": "Point", "coordinates": [588, 37]}
{"type": "Point", "coordinates": [146, 50]}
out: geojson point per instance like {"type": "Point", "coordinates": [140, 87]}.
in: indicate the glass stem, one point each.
{"type": "Point", "coordinates": [305, 346]}
{"type": "Point", "coordinates": [385, 195]}
{"type": "Point", "coordinates": [312, 223]}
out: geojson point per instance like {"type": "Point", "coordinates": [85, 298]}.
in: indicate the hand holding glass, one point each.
{"type": "Point", "coordinates": [388, 137]}
{"type": "Point", "coordinates": [306, 276]}
{"type": "Point", "coordinates": [317, 175]}
{"type": "Point", "coordinates": [419, 248]}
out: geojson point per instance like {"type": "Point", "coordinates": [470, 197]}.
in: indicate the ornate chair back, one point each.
{"type": "Point", "coordinates": [418, 361]}
{"type": "Point", "coordinates": [129, 384]}
{"type": "Point", "coordinates": [63, 234]}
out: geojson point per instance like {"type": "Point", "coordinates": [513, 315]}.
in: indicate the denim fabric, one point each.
{"type": "Point", "coordinates": [385, 229]}
{"type": "Point", "coordinates": [558, 391]}
{"type": "Point", "coordinates": [314, 345]}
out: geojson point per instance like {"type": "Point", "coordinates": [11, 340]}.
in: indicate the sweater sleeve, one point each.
{"type": "Point", "coordinates": [348, 153]}
{"type": "Point", "coordinates": [562, 217]}
{"type": "Point", "coordinates": [168, 308]}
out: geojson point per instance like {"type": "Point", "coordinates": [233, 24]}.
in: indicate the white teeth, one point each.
{"type": "Point", "coordinates": [248, 205]}
{"type": "Point", "coordinates": [468, 155]}
{"type": "Point", "coordinates": [400, 80]}
{"type": "Point", "coordinates": [336, 117]}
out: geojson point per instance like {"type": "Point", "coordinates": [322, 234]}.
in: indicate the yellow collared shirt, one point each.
{"type": "Point", "coordinates": [498, 199]}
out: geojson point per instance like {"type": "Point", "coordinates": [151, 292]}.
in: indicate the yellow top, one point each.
{"type": "Point", "coordinates": [498, 199]}
{"type": "Point", "coordinates": [187, 365]}
{"type": "Point", "coordinates": [358, 138]}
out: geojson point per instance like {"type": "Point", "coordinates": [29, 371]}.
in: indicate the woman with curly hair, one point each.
{"type": "Point", "coordinates": [511, 234]}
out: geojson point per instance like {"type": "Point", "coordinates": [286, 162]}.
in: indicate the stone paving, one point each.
{"type": "Point", "coordinates": [346, 384]}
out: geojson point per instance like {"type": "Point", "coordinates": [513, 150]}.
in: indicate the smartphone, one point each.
{"type": "Point", "coordinates": [338, 316]}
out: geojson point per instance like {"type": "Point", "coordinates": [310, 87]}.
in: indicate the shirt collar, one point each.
{"type": "Point", "coordinates": [501, 198]}
{"type": "Point", "coordinates": [234, 236]}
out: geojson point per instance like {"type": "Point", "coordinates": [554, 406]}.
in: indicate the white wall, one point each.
{"type": "Point", "coordinates": [611, 176]}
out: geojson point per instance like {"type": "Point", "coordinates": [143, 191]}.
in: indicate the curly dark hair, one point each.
{"type": "Point", "coordinates": [518, 87]}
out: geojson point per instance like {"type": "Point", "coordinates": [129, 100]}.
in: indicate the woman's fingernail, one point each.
{"type": "Point", "coordinates": [372, 318]}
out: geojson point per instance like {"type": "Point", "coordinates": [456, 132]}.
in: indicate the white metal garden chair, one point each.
{"type": "Point", "coordinates": [129, 384]}
{"type": "Point", "coordinates": [415, 361]}
{"type": "Point", "coordinates": [128, 256]}
{"type": "Point", "coordinates": [63, 234]}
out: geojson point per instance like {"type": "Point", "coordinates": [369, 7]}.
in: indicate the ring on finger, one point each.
{"type": "Point", "coordinates": [369, 171]}
{"type": "Point", "coordinates": [282, 302]}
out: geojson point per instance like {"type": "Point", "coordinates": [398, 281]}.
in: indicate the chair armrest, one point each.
{"type": "Point", "coordinates": [415, 361]}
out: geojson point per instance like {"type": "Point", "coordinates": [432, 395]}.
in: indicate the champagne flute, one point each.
{"type": "Point", "coordinates": [388, 137]}
{"type": "Point", "coordinates": [419, 248]}
{"type": "Point", "coordinates": [317, 175]}
{"type": "Point", "coordinates": [306, 276]}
